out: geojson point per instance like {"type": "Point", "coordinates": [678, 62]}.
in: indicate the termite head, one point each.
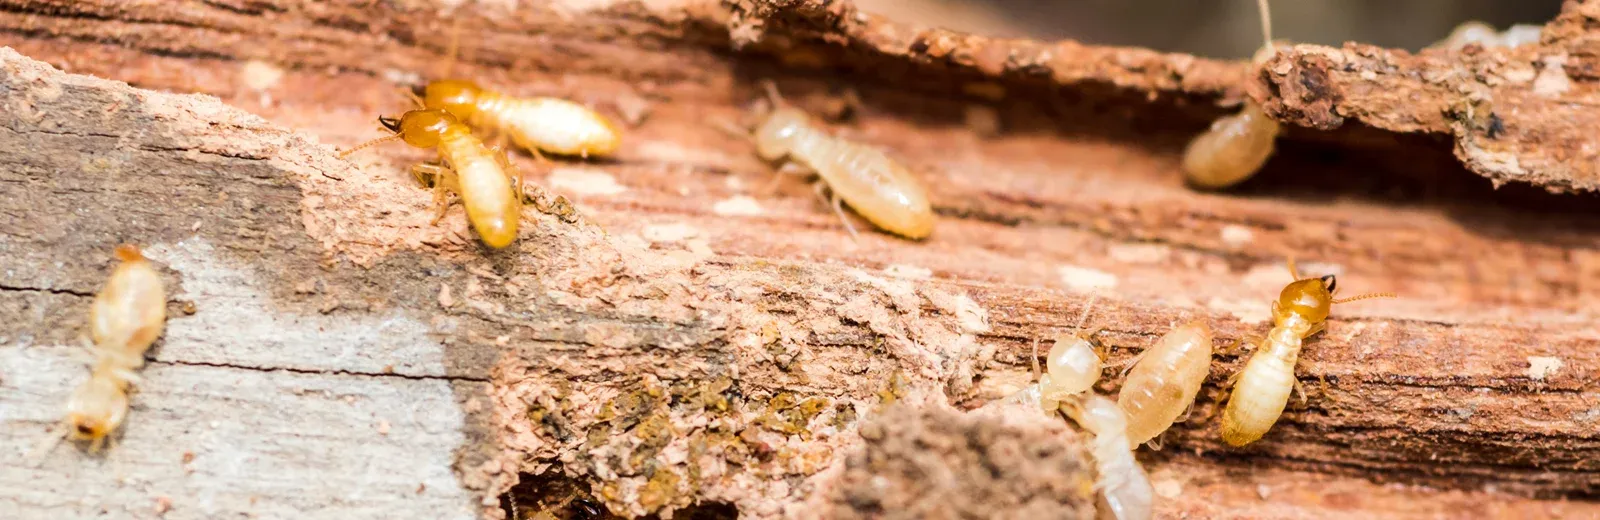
{"type": "Point", "coordinates": [1311, 298]}
{"type": "Point", "coordinates": [1096, 414]}
{"type": "Point", "coordinates": [458, 97]}
{"type": "Point", "coordinates": [96, 409]}
{"type": "Point", "coordinates": [128, 253]}
{"type": "Point", "coordinates": [420, 128]}
{"type": "Point", "coordinates": [1073, 367]}
{"type": "Point", "coordinates": [775, 133]}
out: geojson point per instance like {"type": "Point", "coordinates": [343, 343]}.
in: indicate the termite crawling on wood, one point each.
{"type": "Point", "coordinates": [877, 187]}
{"type": "Point", "coordinates": [1164, 381]}
{"type": "Point", "coordinates": [479, 175]}
{"type": "Point", "coordinates": [125, 319]}
{"type": "Point", "coordinates": [1484, 34]}
{"type": "Point", "coordinates": [1236, 146]}
{"type": "Point", "coordinates": [1072, 367]}
{"type": "Point", "coordinates": [1125, 490]}
{"type": "Point", "coordinates": [1262, 388]}
{"type": "Point", "coordinates": [536, 124]}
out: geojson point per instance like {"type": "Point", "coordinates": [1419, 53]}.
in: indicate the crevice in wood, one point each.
{"type": "Point", "coordinates": [293, 370]}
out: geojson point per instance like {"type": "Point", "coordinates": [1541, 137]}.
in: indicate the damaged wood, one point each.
{"type": "Point", "coordinates": [693, 339]}
{"type": "Point", "coordinates": [1516, 115]}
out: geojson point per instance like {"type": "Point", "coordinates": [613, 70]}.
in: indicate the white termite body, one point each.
{"type": "Point", "coordinates": [1163, 384]}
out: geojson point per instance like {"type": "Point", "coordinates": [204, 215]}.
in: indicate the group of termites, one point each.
{"type": "Point", "coordinates": [1164, 380]}
{"type": "Point", "coordinates": [129, 313]}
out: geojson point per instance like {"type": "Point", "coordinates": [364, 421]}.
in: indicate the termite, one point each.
{"type": "Point", "coordinates": [125, 319]}
{"type": "Point", "coordinates": [1072, 367]}
{"type": "Point", "coordinates": [549, 124]}
{"type": "Point", "coordinates": [1164, 381]}
{"type": "Point", "coordinates": [1262, 388]}
{"type": "Point", "coordinates": [536, 124]}
{"type": "Point", "coordinates": [1236, 146]}
{"type": "Point", "coordinates": [1484, 34]}
{"type": "Point", "coordinates": [1125, 490]}
{"type": "Point", "coordinates": [877, 187]}
{"type": "Point", "coordinates": [477, 174]}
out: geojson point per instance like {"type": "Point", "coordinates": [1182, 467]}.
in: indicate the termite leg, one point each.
{"type": "Point", "coordinates": [788, 168]}
{"type": "Point", "coordinates": [1238, 345]}
{"type": "Point", "coordinates": [1300, 391]}
{"type": "Point", "coordinates": [538, 199]}
{"type": "Point", "coordinates": [127, 375]}
{"type": "Point", "coordinates": [49, 443]}
{"type": "Point", "coordinates": [1319, 327]}
{"type": "Point", "coordinates": [513, 174]}
{"type": "Point", "coordinates": [838, 208]}
{"type": "Point", "coordinates": [499, 142]}
{"type": "Point", "coordinates": [441, 196]}
{"type": "Point", "coordinates": [732, 129]}
{"type": "Point", "coordinates": [1127, 364]}
{"type": "Point", "coordinates": [1034, 359]}
{"type": "Point", "coordinates": [1155, 443]}
{"type": "Point", "coordinates": [1184, 417]}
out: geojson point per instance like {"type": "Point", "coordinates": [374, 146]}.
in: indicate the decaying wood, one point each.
{"type": "Point", "coordinates": [692, 339]}
{"type": "Point", "coordinates": [932, 462]}
{"type": "Point", "coordinates": [1517, 115]}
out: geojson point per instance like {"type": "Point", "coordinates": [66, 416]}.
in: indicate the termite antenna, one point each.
{"type": "Point", "coordinates": [49, 443]}
{"type": "Point", "coordinates": [1367, 296]}
{"type": "Point", "coordinates": [1292, 271]}
{"type": "Point", "coordinates": [1266, 23]}
{"type": "Point", "coordinates": [772, 93]}
{"type": "Point", "coordinates": [454, 48]}
{"type": "Point", "coordinates": [128, 253]}
{"type": "Point", "coordinates": [732, 129]}
{"type": "Point", "coordinates": [1084, 318]}
{"type": "Point", "coordinates": [373, 142]}
{"type": "Point", "coordinates": [413, 94]}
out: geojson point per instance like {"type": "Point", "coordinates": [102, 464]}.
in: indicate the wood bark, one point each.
{"type": "Point", "coordinates": [692, 339]}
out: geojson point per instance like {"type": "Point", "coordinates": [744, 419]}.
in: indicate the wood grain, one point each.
{"type": "Point", "coordinates": [596, 337]}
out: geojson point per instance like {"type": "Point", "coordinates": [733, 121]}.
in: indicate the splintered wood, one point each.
{"type": "Point", "coordinates": [684, 338]}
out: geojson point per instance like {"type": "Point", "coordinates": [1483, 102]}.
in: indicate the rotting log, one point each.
{"type": "Point", "coordinates": [692, 339]}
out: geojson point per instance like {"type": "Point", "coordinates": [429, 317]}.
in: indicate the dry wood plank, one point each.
{"type": "Point", "coordinates": [1480, 376]}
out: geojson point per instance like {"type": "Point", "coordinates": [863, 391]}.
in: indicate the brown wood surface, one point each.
{"type": "Point", "coordinates": [662, 349]}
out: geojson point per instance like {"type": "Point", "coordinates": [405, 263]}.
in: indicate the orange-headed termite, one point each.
{"type": "Point", "coordinates": [480, 176]}
{"type": "Point", "coordinates": [877, 187]}
{"type": "Point", "coordinates": [536, 124]}
{"type": "Point", "coordinates": [549, 124]}
{"type": "Point", "coordinates": [1263, 386]}
{"type": "Point", "coordinates": [124, 320]}
{"type": "Point", "coordinates": [1164, 382]}
{"type": "Point", "coordinates": [1235, 146]}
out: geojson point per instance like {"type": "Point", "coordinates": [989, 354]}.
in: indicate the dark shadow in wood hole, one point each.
{"type": "Point", "coordinates": [555, 496]}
